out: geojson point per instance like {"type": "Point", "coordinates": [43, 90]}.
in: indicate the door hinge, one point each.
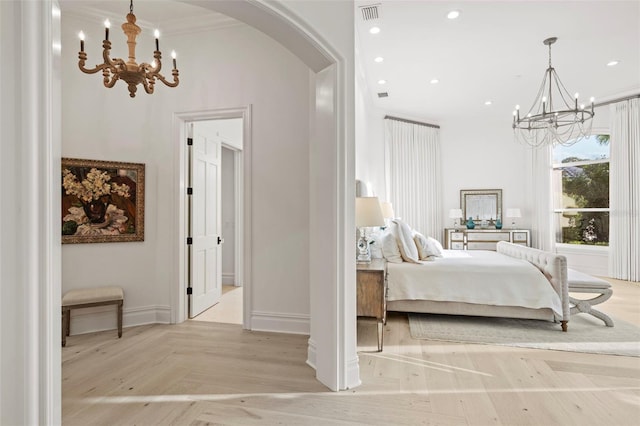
{"type": "Point", "coordinates": [189, 290]}
{"type": "Point", "coordinates": [189, 241]}
{"type": "Point", "coordinates": [189, 141]}
{"type": "Point", "coordinates": [189, 191]}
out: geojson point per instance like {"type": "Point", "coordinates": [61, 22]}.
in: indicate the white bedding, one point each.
{"type": "Point", "coordinates": [478, 276]}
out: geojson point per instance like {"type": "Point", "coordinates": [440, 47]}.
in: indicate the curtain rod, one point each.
{"type": "Point", "coordinates": [404, 120]}
{"type": "Point", "coordinates": [613, 101]}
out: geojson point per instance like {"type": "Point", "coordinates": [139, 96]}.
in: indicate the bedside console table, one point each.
{"type": "Point", "coordinates": [371, 293]}
{"type": "Point", "coordinates": [483, 239]}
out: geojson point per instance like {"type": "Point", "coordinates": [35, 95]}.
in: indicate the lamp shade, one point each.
{"type": "Point", "coordinates": [387, 210]}
{"type": "Point", "coordinates": [368, 212]}
{"type": "Point", "coordinates": [513, 213]}
{"type": "Point", "coordinates": [455, 213]}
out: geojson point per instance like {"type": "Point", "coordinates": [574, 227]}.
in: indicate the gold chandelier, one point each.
{"type": "Point", "coordinates": [130, 71]}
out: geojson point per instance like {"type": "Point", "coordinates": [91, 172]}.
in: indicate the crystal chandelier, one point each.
{"type": "Point", "coordinates": [555, 116]}
{"type": "Point", "coordinates": [130, 71]}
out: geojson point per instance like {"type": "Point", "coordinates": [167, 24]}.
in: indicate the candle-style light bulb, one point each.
{"type": "Point", "coordinates": [81, 36]}
{"type": "Point", "coordinates": [156, 34]}
{"type": "Point", "coordinates": [153, 63]}
{"type": "Point", "coordinates": [173, 55]}
{"type": "Point", "coordinates": [544, 104]}
{"type": "Point", "coordinates": [107, 25]}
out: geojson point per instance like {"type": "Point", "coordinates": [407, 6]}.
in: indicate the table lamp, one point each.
{"type": "Point", "coordinates": [368, 214]}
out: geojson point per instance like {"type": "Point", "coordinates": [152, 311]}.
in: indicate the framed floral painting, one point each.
{"type": "Point", "coordinates": [102, 201]}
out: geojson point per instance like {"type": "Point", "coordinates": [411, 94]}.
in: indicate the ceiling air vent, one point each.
{"type": "Point", "coordinates": [383, 94]}
{"type": "Point", "coordinates": [370, 12]}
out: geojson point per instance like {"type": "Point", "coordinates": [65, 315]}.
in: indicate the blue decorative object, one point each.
{"type": "Point", "coordinates": [498, 224]}
{"type": "Point", "coordinates": [470, 223]}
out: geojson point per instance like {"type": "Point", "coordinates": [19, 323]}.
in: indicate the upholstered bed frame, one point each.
{"type": "Point", "coordinates": [553, 266]}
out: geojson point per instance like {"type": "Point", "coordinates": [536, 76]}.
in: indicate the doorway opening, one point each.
{"type": "Point", "coordinates": [226, 306]}
{"type": "Point", "coordinates": [214, 239]}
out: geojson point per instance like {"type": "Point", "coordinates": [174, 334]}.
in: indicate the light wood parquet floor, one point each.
{"type": "Point", "coordinates": [200, 373]}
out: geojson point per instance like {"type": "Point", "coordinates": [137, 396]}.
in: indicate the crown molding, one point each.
{"type": "Point", "coordinates": [205, 21]}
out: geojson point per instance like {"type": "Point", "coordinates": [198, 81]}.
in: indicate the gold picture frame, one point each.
{"type": "Point", "coordinates": [102, 201]}
{"type": "Point", "coordinates": [481, 204]}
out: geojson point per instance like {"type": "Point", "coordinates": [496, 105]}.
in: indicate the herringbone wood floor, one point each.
{"type": "Point", "coordinates": [199, 373]}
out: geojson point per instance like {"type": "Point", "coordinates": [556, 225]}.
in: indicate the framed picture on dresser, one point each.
{"type": "Point", "coordinates": [481, 204]}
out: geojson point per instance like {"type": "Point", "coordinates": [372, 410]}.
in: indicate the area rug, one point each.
{"type": "Point", "coordinates": [586, 333]}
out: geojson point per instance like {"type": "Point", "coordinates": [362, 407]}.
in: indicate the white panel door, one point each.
{"type": "Point", "coordinates": [206, 254]}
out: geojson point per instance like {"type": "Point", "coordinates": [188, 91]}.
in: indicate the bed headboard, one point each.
{"type": "Point", "coordinates": [552, 265]}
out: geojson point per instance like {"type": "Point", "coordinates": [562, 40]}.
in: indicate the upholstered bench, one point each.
{"type": "Point", "coordinates": [88, 298]}
{"type": "Point", "coordinates": [582, 283]}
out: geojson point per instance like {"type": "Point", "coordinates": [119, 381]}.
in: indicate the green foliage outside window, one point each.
{"type": "Point", "coordinates": [586, 186]}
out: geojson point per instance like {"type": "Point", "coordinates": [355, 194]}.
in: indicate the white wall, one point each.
{"type": "Point", "coordinates": [224, 68]}
{"type": "Point", "coordinates": [480, 153]}
{"type": "Point", "coordinates": [369, 137]}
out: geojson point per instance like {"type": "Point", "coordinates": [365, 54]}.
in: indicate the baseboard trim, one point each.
{"type": "Point", "coordinates": [353, 373]}
{"type": "Point", "coordinates": [228, 279]}
{"type": "Point", "coordinates": [311, 353]}
{"type": "Point", "coordinates": [90, 320]}
{"type": "Point", "coordinates": [280, 323]}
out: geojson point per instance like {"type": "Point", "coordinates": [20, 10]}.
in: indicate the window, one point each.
{"type": "Point", "coordinates": [581, 191]}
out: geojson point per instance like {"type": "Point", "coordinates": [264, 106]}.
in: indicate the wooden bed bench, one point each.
{"type": "Point", "coordinates": [88, 298]}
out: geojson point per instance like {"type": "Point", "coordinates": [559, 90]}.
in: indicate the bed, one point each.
{"type": "Point", "coordinates": [515, 281]}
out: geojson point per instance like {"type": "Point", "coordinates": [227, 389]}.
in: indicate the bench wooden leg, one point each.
{"type": "Point", "coordinates": [120, 319]}
{"type": "Point", "coordinates": [563, 324]}
{"type": "Point", "coordinates": [65, 325]}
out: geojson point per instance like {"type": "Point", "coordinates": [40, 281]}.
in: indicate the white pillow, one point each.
{"type": "Point", "coordinates": [404, 236]}
{"type": "Point", "coordinates": [422, 244]}
{"type": "Point", "coordinates": [375, 243]}
{"type": "Point", "coordinates": [390, 249]}
{"type": "Point", "coordinates": [428, 248]}
{"type": "Point", "coordinates": [436, 246]}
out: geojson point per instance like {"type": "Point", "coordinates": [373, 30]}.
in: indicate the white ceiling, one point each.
{"type": "Point", "coordinates": [494, 51]}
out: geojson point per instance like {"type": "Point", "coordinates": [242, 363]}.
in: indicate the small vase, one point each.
{"type": "Point", "coordinates": [95, 210]}
{"type": "Point", "coordinates": [498, 224]}
{"type": "Point", "coordinates": [470, 223]}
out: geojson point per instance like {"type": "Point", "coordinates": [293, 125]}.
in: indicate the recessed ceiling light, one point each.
{"type": "Point", "coordinates": [374, 30]}
{"type": "Point", "coordinates": [453, 14]}
{"type": "Point", "coordinates": [612, 63]}
{"type": "Point", "coordinates": [434, 81]}
{"type": "Point", "coordinates": [382, 81]}
{"type": "Point", "coordinates": [379, 59]}
{"type": "Point", "coordinates": [488, 102]}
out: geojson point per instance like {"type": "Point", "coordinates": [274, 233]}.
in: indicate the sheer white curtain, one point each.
{"type": "Point", "coordinates": [624, 191]}
{"type": "Point", "coordinates": [413, 174]}
{"type": "Point", "coordinates": [542, 234]}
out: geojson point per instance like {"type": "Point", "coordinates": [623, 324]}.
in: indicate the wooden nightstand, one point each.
{"type": "Point", "coordinates": [371, 291]}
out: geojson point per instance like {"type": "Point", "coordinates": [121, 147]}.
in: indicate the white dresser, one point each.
{"type": "Point", "coordinates": [483, 239]}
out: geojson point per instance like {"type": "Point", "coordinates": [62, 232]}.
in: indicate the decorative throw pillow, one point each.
{"type": "Point", "coordinates": [407, 246]}
{"type": "Point", "coordinates": [390, 249]}
{"type": "Point", "coordinates": [421, 244]}
{"type": "Point", "coordinates": [436, 246]}
{"type": "Point", "coordinates": [427, 249]}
